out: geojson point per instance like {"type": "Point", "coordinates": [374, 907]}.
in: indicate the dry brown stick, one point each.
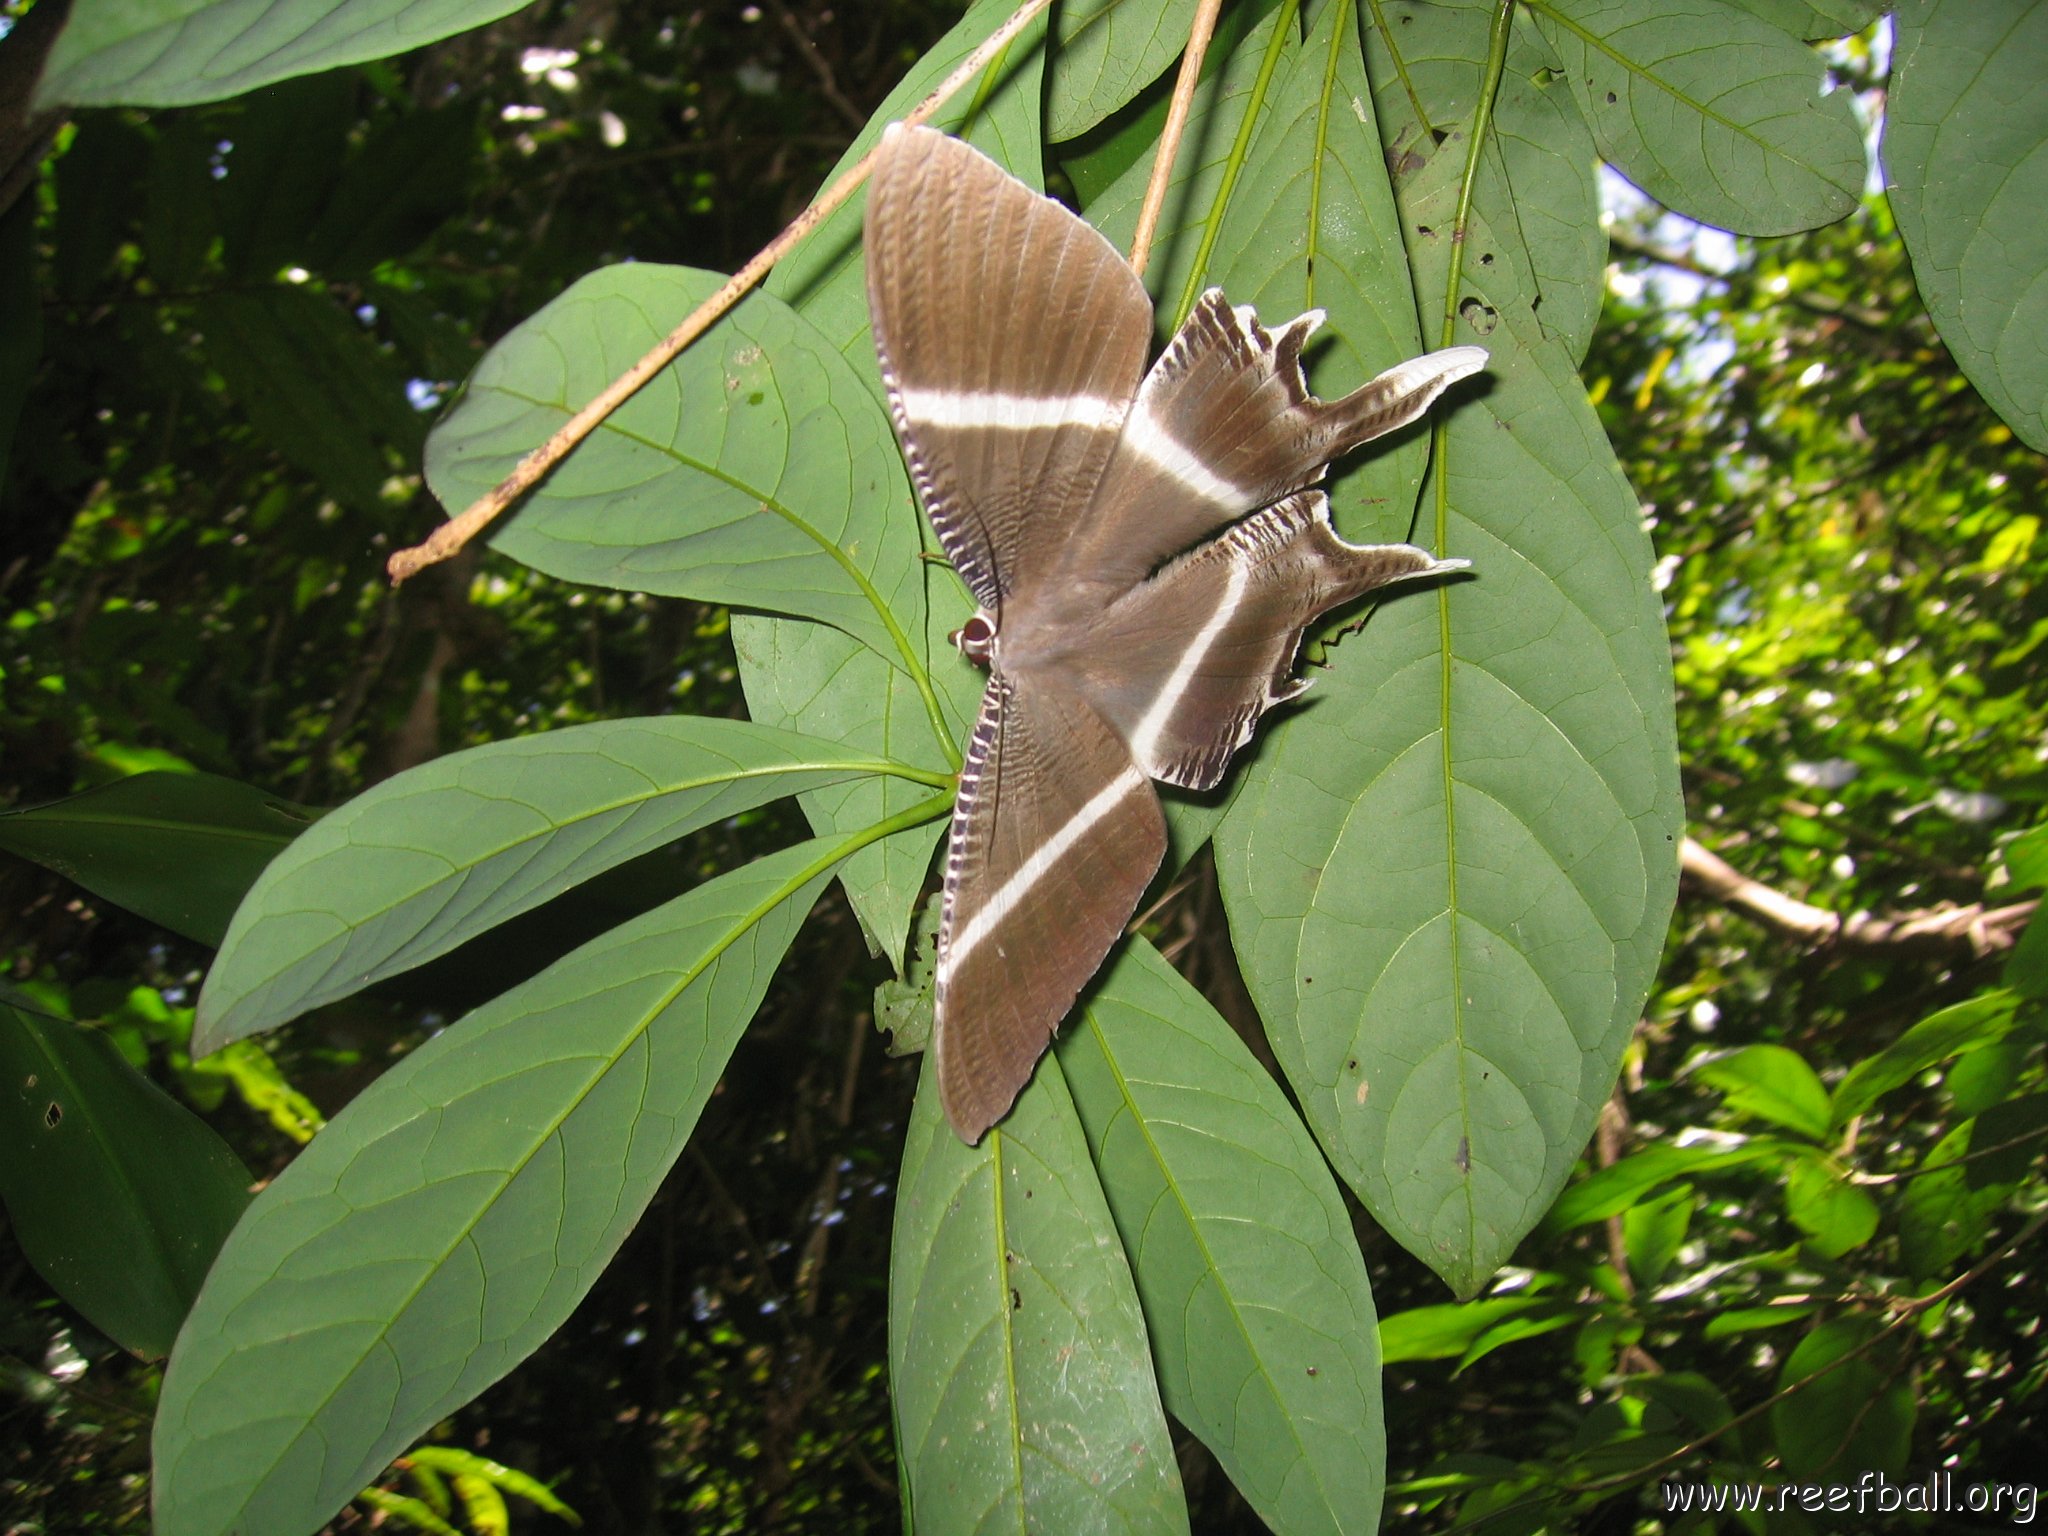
{"type": "Point", "coordinates": [459, 530]}
{"type": "Point", "coordinates": [1203, 28]}
{"type": "Point", "coordinates": [1975, 928]}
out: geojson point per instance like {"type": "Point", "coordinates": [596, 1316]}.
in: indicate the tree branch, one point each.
{"type": "Point", "coordinates": [1976, 928]}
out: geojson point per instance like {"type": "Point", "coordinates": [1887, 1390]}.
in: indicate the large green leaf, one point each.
{"type": "Point", "coordinates": [1966, 162]}
{"type": "Point", "coordinates": [438, 854]}
{"type": "Point", "coordinates": [181, 849]}
{"type": "Point", "coordinates": [1714, 113]}
{"type": "Point", "coordinates": [801, 675]}
{"type": "Point", "coordinates": [450, 1218]}
{"type": "Point", "coordinates": [1108, 51]}
{"type": "Point", "coordinates": [119, 1196]}
{"type": "Point", "coordinates": [1260, 1312]}
{"type": "Point", "coordinates": [755, 470]}
{"type": "Point", "coordinates": [810, 675]}
{"type": "Point", "coordinates": [1024, 1396]}
{"type": "Point", "coordinates": [1448, 878]}
{"type": "Point", "coordinates": [169, 53]}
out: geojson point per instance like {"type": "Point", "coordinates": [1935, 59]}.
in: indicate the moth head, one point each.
{"type": "Point", "coordinates": [977, 638]}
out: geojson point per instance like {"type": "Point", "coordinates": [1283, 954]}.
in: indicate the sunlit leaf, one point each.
{"type": "Point", "coordinates": [1977, 1021]}
{"type": "Point", "coordinates": [1771, 1083]}
{"type": "Point", "coordinates": [1108, 51]}
{"type": "Point", "coordinates": [1449, 877]}
{"type": "Point", "coordinates": [1835, 1215]}
{"type": "Point", "coordinates": [1966, 1179]}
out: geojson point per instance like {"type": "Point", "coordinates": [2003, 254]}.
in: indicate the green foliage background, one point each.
{"type": "Point", "coordinates": [228, 328]}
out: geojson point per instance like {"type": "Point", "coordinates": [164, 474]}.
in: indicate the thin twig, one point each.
{"type": "Point", "coordinates": [1199, 33]}
{"type": "Point", "coordinates": [480, 514]}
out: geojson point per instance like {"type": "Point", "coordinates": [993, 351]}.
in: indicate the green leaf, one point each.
{"type": "Point", "coordinates": [314, 387]}
{"type": "Point", "coordinates": [1966, 1180]}
{"type": "Point", "coordinates": [448, 1220]}
{"type": "Point", "coordinates": [1107, 52]}
{"type": "Point", "coordinates": [1202, 224]}
{"type": "Point", "coordinates": [2026, 968]}
{"type": "Point", "coordinates": [181, 849]}
{"type": "Point", "coordinates": [1616, 1188]}
{"type": "Point", "coordinates": [1446, 1331]}
{"type": "Point", "coordinates": [170, 53]}
{"type": "Point", "coordinates": [1654, 1231]}
{"type": "Point", "coordinates": [1717, 115]}
{"type": "Point", "coordinates": [1853, 1417]}
{"type": "Point", "coordinates": [1256, 1296]}
{"type": "Point", "coordinates": [438, 854]}
{"type": "Point", "coordinates": [1024, 1395]}
{"type": "Point", "coordinates": [1770, 1083]}
{"type": "Point", "coordinates": [755, 470]}
{"type": "Point", "coordinates": [1965, 117]}
{"type": "Point", "coordinates": [455, 1461]}
{"type": "Point", "coordinates": [1727, 1325]}
{"type": "Point", "coordinates": [119, 1196]}
{"type": "Point", "coordinates": [1966, 1026]}
{"type": "Point", "coordinates": [795, 674]}
{"type": "Point", "coordinates": [2026, 860]}
{"type": "Point", "coordinates": [402, 1507]}
{"type": "Point", "coordinates": [178, 223]}
{"type": "Point", "coordinates": [1553, 1319]}
{"type": "Point", "coordinates": [1834, 1214]}
{"type": "Point", "coordinates": [408, 177]}
{"type": "Point", "coordinates": [1449, 875]}
{"type": "Point", "coordinates": [289, 143]}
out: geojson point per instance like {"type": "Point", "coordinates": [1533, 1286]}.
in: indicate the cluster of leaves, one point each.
{"type": "Point", "coordinates": [1484, 803]}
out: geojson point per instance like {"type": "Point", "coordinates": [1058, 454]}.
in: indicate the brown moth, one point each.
{"type": "Point", "coordinates": [1142, 545]}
